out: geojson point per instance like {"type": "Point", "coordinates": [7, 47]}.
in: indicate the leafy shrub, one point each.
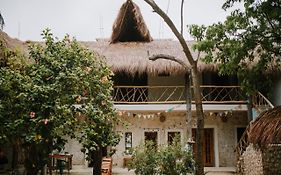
{"type": "Point", "coordinates": [144, 159]}
{"type": "Point", "coordinates": [166, 160]}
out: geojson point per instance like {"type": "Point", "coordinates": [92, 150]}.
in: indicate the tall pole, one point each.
{"type": "Point", "coordinates": [188, 99]}
{"type": "Point", "coordinates": [250, 107]}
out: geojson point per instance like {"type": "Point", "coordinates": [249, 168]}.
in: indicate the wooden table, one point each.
{"type": "Point", "coordinates": [66, 158]}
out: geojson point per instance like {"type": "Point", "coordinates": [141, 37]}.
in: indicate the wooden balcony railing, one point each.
{"type": "Point", "coordinates": [176, 94]}
{"type": "Point", "coordinates": [260, 102]}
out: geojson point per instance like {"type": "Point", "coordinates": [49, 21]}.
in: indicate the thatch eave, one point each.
{"type": "Point", "coordinates": [266, 129]}
{"type": "Point", "coordinates": [132, 57]}
{"type": "Point", "coordinates": [13, 43]}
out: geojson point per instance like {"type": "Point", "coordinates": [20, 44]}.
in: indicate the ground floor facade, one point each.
{"type": "Point", "coordinates": [222, 131]}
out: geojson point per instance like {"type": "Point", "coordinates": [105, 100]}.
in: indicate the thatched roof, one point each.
{"type": "Point", "coordinates": [12, 43]}
{"type": "Point", "coordinates": [129, 25]}
{"type": "Point", "coordinates": [266, 129]}
{"type": "Point", "coordinates": [132, 57]}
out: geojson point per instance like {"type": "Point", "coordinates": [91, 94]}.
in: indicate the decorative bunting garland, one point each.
{"type": "Point", "coordinates": [158, 114]}
{"type": "Point", "coordinates": [225, 114]}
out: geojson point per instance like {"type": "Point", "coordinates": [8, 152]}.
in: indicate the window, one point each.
{"type": "Point", "coordinates": [151, 136]}
{"type": "Point", "coordinates": [172, 136]}
{"type": "Point", "coordinates": [128, 141]}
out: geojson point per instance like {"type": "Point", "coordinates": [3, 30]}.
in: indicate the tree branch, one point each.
{"type": "Point", "coordinates": [182, 2]}
{"type": "Point", "coordinates": [169, 22]}
{"type": "Point", "coordinates": [171, 58]}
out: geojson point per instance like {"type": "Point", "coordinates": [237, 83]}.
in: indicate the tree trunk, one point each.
{"type": "Point", "coordinates": [200, 121]}
{"type": "Point", "coordinates": [188, 99]}
{"type": "Point", "coordinates": [195, 79]}
{"type": "Point", "coordinates": [15, 157]}
{"type": "Point", "coordinates": [97, 158]}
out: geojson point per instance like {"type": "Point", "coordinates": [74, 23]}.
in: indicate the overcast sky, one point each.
{"type": "Point", "coordinates": [87, 20]}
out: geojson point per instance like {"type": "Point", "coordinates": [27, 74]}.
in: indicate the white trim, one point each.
{"type": "Point", "coordinates": [180, 107]}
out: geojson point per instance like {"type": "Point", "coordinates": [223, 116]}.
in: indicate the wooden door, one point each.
{"type": "Point", "coordinates": [208, 146]}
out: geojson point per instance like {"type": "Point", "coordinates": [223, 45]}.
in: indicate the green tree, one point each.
{"type": "Point", "coordinates": [43, 102]}
{"type": "Point", "coordinates": [12, 66]}
{"type": "Point", "coordinates": [246, 44]}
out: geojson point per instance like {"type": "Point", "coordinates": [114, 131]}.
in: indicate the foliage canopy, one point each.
{"type": "Point", "coordinates": [64, 90]}
{"type": "Point", "coordinates": [247, 43]}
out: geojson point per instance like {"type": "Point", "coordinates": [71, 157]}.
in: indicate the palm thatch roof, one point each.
{"type": "Point", "coordinates": [129, 25]}
{"type": "Point", "coordinates": [12, 43]}
{"type": "Point", "coordinates": [132, 57]}
{"type": "Point", "coordinates": [266, 129]}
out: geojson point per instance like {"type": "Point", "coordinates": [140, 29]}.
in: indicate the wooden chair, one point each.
{"type": "Point", "coordinates": [106, 166]}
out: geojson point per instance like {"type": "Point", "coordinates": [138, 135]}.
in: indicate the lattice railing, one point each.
{"type": "Point", "coordinates": [260, 102]}
{"type": "Point", "coordinates": [223, 94]}
{"type": "Point", "coordinates": [176, 94]}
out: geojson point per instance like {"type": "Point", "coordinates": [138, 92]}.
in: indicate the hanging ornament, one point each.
{"type": "Point", "coordinates": [162, 118]}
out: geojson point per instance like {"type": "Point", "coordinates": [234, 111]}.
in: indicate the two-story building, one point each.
{"type": "Point", "coordinates": [150, 96]}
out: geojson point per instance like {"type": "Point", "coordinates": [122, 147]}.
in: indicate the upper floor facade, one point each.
{"type": "Point", "coordinates": [159, 92]}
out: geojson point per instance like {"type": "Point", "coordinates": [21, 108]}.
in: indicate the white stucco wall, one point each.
{"type": "Point", "coordinates": [74, 147]}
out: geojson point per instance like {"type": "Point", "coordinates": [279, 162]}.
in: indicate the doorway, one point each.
{"type": "Point", "coordinates": [239, 133]}
{"type": "Point", "coordinates": [208, 146]}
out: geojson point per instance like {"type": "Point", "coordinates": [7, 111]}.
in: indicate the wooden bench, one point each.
{"type": "Point", "coordinates": [106, 166]}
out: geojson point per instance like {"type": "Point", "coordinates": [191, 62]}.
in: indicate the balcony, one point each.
{"type": "Point", "coordinates": [163, 97]}
{"type": "Point", "coordinates": [176, 95]}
